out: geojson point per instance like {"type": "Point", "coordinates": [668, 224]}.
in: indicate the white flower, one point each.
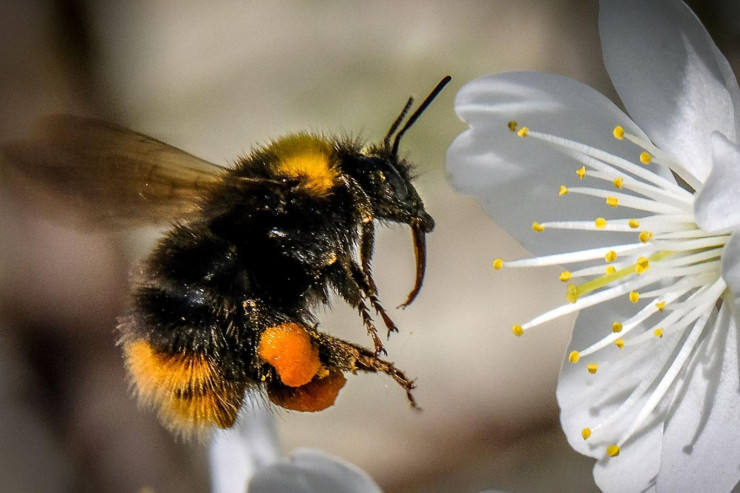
{"type": "Point", "coordinates": [650, 383]}
{"type": "Point", "coordinates": [247, 458]}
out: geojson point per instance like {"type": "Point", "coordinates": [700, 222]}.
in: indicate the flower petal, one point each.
{"type": "Point", "coordinates": [589, 399]}
{"type": "Point", "coordinates": [310, 471]}
{"type": "Point", "coordinates": [238, 453]}
{"type": "Point", "coordinates": [700, 444]}
{"type": "Point", "coordinates": [670, 76]}
{"type": "Point", "coordinates": [717, 206]}
{"type": "Point", "coordinates": [517, 180]}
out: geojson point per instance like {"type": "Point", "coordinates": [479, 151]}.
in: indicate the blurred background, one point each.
{"type": "Point", "coordinates": [214, 78]}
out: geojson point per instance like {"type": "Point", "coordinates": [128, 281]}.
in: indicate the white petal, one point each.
{"type": "Point", "coordinates": [670, 76]}
{"type": "Point", "coordinates": [717, 206]}
{"type": "Point", "coordinates": [310, 471]}
{"type": "Point", "coordinates": [237, 453]}
{"type": "Point", "coordinates": [586, 400]}
{"type": "Point", "coordinates": [731, 267]}
{"type": "Point", "coordinates": [517, 180]}
{"type": "Point", "coordinates": [702, 432]}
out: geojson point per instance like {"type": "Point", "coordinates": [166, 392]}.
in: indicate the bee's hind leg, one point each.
{"type": "Point", "coordinates": [346, 356]}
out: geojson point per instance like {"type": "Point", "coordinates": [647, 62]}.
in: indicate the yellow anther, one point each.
{"type": "Point", "coordinates": [498, 263]}
{"type": "Point", "coordinates": [572, 294]}
{"type": "Point", "coordinates": [565, 276]}
{"type": "Point", "coordinates": [642, 265]}
{"type": "Point", "coordinates": [660, 305]}
{"type": "Point", "coordinates": [563, 190]}
{"type": "Point", "coordinates": [523, 132]}
{"type": "Point", "coordinates": [634, 296]}
{"type": "Point", "coordinates": [600, 223]}
{"type": "Point", "coordinates": [633, 223]}
{"type": "Point", "coordinates": [537, 227]}
{"type": "Point", "coordinates": [610, 269]}
{"type": "Point", "coordinates": [658, 332]}
{"type": "Point", "coordinates": [574, 356]}
{"type": "Point", "coordinates": [581, 172]}
{"type": "Point", "coordinates": [645, 158]}
{"type": "Point", "coordinates": [618, 132]}
{"type": "Point", "coordinates": [612, 450]}
{"type": "Point", "coordinates": [619, 343]}
{"type": "Point", "coordinates": [512, 125]}
{"type": "Point", "coordinates": [612, 201]}
{"type": "Point", "coordinates": [617, 327]}
{"type": "Point", "coordinates": [645, 236]}
{"type": "Point", "coordinates": [517, 330]}
{"type": "Point", "coordinates": [610, 256]}
{"type": "Point", "coordinates": [586, 433]}
{"type": "Point", "coordinates": [618, 182]}
{"type": "Point", "coordinates": [592, 368]}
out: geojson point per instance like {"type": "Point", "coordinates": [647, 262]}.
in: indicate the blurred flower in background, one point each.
{"type": "Point", "coordinates": [650, 383]}
{"type": "Point", "coordinates": [213, 78]}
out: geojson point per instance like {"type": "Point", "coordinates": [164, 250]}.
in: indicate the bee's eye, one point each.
{"type": "Point", "coordinates": [388, 173]}
{"type": "Point", "coordinates": [397, 183]}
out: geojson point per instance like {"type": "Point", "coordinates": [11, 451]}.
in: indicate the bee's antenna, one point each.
{"type": "Point", "coordinates": [423, 106]}
{"type": "Point", "coordinates": [397, 122]}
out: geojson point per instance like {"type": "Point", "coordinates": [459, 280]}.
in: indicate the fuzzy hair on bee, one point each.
{"type": "Point", "coordinates": [224, 304]}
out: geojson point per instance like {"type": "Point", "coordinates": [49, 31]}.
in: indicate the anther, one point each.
{"type": "Point", "coordinates": [517, 330]}
{"type": "Point", "coordinates": [645, 236]}
{"type": "Point", "coordinates": [618, 132]}
{"type": "Point", "coordinates": [658, 332]}
{"type": "Point", "coordinates": [563, 190]}
{"type": "Point", "coordinates": [619, 343]}
{"type": "Point", "coordinates": [610, 256]}
{"type": "Point", "coordinates": [641, 265]}
{"type": "Point", "coordinates": [522, 132]}
{"type": "Point", "coordinates": [600, 223]}
{"type": "Point", "coordinates": [581, 172]}
{"type": "Point", "coordinates": [645, 158]}
{"type": "Point", "coordinates": [617, 327]}
{"type": "Point", "coordinates": [633, 223]}
{"type": "Point", "coordinates": [537, 227]}
{"type": "Point", "coordinates": [565, 276]}
{"type": "Point", "coordinates": [498, 264]}
{"type": "Point", "coordinates": [512, 125]}
{"type": "Point", "coordinates": [612, 201]}
{"type": "Point", "coordinates": [592, 368]}
{"type": "Point", "coordinates": [660, 305]}
{"type": "Point", "coordinates": [618, 182]}
{"type": "Point", "coordinates": [574, 356]}
{"type": "Point", "coordinates": [612, 450]}
{"type": "Point", "coordinates": [634, 296]}
{"type": "Point", "coordinates": [586, 433]}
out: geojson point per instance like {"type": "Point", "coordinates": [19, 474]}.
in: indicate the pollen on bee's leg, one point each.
{"type": "Point", "coordinates": [317, 395]}
{"type": "Point", "coordinates": [289, 349]}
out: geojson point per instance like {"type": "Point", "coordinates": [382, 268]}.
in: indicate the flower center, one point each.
{"type": "Point", "coordinates": [670, 270]}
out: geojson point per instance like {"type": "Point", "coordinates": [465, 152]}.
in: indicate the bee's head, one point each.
{"type": "Point", "coordinates": [385, 180]}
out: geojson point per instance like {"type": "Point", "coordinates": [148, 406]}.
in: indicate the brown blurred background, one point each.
{"type": "Point", "coordinates": [213, 78]}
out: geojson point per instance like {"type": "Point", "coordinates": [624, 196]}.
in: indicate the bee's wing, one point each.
{"type": "Point", "coordinates": [107, 176]}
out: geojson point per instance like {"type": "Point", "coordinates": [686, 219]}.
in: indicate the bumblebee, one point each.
{"type": "Point", "coordinates": [224, 303]}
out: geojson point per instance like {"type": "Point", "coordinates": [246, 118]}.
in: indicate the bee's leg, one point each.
{"type": "Point", "coordinates": [349, 357]}
{"type": "Point", "coordinates": [367, 285]}
{"type": "Point", "coordinates": [347, 284]}
{"type": "Point", "coordinates": [362, 274]}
